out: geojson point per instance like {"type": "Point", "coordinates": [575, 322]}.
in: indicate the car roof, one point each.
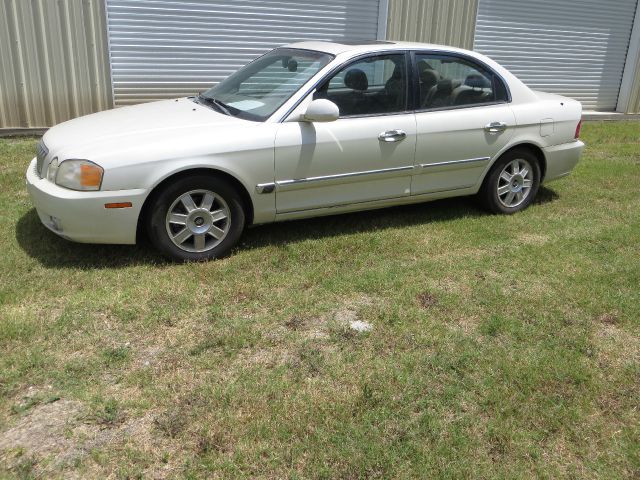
{"type": "Point", "coordinates": [364, 46]}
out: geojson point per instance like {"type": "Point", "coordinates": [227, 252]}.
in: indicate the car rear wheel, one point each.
{"type": "Point", "coordinates": [196, 218]}
{"type": "Point", "coordinates": [512, 183]}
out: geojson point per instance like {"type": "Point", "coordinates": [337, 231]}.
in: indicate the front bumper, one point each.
{"type": "Point", "coordinates": [82, 216]}
{"type": "Point", "coordinates": [561, 159]}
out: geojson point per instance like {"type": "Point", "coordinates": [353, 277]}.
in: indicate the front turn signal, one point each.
{"type": "Point", "coordinates": [90, 176]}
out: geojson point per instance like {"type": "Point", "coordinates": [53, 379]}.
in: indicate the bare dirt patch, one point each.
{"type": "Point", "coordinates": [41, 433]}
{"type": "Point", "coordinates": [533, 239]}
{"type": "Point", "coordinates": [56, 435]}
{"type": "Point", "coordinates": [616, 347]}
{"type": "Point", "coordinates": [426, 299]}
{"type": "Point", "coordinates": [609, 318]}
{"type": "Point", "coordinates": [313, 333]}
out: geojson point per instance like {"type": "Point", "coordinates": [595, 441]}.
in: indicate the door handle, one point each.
{"type": "Point", "coordinates": [495, 127]}
{"type": "Point", "coordinates": [392, 136]}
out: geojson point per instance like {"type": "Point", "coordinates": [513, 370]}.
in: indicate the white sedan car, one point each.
{"type": "Point", "coordinates": [308, 129]}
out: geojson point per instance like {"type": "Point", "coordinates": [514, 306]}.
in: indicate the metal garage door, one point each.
{"type": "Point", "coordinates": [575, 48]}
{"type": "Point", "coordinates": [171, 48]}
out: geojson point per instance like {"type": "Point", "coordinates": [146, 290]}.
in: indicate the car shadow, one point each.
{"type": "Point", "coordinates": [54, 252]}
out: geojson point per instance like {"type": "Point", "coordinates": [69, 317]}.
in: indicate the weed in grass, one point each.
{"type": "Point", "coordinates": [294, 323]}
{"type": "Point", "coordinates": [309, 361]}
{"type": "Point", "coordinates": [107, 413]}
{"type": "Point", "coordinates": [172, 423]}
{"type": "Point", "coordinates": [115, 356]}
{"type": "Point", "coordinates": [212, 441]}
{"type": "Point", "coordinates": [25, 469]}
{"type": "Point", "coordinates": [494, 325]}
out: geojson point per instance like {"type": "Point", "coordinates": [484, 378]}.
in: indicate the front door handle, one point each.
{"type": "Point", "coordinates": [392, 136]}
{"type": "Point", "coordinates": [495, 127]}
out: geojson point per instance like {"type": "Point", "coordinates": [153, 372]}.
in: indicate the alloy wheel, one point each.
{"type": "Point", "coordinates": [515, 182]}
{"type": "Point", "coordinates": [198, 220]}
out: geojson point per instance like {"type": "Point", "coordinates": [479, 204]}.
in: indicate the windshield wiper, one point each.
{"type": "Point", "coordinates": [217, 103]}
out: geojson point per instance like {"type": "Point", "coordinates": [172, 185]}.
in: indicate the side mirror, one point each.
{"type": "Point", "coordinates": [321, 110]}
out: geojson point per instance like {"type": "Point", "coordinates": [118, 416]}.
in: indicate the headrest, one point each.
{"type": "Point", "coordinates": [475, 80]}
{"type": "Point", "coordinates": [423, 65]}
{"type": "Point", "coordinates": [429, 78]}
{"type": "Point", "coordinates": [397, 73]}
{"type": "Point", "coordinates": [356, 79]}
{"type": "Point", "coordinates": [445, 86]}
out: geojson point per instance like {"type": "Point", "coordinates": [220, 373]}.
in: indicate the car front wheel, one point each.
{"type": "Point", "coordinates": [196, 218]}
{"type": "Point", "coordinates": [512, 183]}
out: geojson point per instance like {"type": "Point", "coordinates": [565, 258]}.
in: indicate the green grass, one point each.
{"type": "Point", "coordinates": [502, 346]}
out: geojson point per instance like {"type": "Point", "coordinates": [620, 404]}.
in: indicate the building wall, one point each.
{"type": "Point", "coordinates": [54, 61]}
{"type": "Point", "coordinates": [634, 98]}
{"type": "Point", "coordinates": [633, 61]}
{"type": "Point", "coordinates": [446, 22]}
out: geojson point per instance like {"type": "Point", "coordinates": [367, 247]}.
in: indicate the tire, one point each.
{"type": "Point", "coordinates": [196, 218]}
{"type": "Point", "coordinates": [505, 190]}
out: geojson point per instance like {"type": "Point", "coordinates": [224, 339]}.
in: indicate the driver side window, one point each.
{"type": "Point", "coordinates": [371, 86]}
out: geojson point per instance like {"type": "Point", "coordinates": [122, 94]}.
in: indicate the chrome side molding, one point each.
{"type": "Point", "coordinates": [337, 178]}
{"type": "Point", "coordinates": [292, 184]}
{"type": "Point", "coordinates": [265, 187]}
{"type": "Point", "coordinates": [455, 162]}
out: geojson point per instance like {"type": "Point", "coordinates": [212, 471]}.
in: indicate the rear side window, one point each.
{"type": "Point", "coordinates": [451, 81]}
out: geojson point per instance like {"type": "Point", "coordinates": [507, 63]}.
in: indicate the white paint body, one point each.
{"type": "Point", "coordinates": [343, 165]}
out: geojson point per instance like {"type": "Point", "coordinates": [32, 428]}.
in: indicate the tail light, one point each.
{"type": "Point", "coordinates": [578, 129]}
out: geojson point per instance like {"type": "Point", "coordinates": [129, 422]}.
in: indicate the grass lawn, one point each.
{"type": "Point", "coordinates": [502, 347]}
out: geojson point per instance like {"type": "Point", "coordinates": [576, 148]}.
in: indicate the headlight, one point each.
{"type": "Point", "coordinates": [79, 175]}
{"type": "Point", "coordinates": [52, 170]}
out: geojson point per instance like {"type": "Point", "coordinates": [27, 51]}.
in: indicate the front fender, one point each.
{"type": "Point", "coordinates": [249, 161]}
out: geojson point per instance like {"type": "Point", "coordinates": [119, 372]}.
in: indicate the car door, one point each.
{"type": "Point", "coordinates": [463, 120]}
{"type": "Point", "coordinates": [364, 155]}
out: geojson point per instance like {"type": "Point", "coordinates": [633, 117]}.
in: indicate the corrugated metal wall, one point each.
{"type": "Point", "coordinates": [446, 22]}
{"type": "Point", "coordinates": [633, 58]}
{"type": "Point", "coordinates": [171, 48]}
{"type": "Point", "coordinates": [634, 98]}
{"type": "Point", "coordinates": [577, 49]}
{"type": "Point", "coordinates": [54, 61]}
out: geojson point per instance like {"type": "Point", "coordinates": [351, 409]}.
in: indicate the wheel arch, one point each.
{"type": "Point", "coordinates": [247, 203]}
{"type": "Point", "coordinates": [536, 150]}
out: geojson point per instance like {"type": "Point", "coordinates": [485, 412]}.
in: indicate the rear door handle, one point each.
{"type": "Point", "coordinates": [392, 136]}
{"type": "Point", "coordinates": [495, 127]}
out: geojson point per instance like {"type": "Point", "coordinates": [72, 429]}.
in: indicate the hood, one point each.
{"type": "Point", "coordinates": [167, 120]}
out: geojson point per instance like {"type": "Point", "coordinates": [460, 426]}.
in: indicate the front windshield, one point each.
{"type": "Point", "coordinates": [258, 89]}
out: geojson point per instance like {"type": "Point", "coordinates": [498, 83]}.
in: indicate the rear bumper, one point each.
{"type": "Point", "coordinates": [82, 216]}
{"type": "Point", "coordinates": [561, 159]}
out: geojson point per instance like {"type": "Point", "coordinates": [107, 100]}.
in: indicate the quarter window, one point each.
{"type": "Point", "coordinates": [449, 81]}
{"type": "Point", "coordinates": [374, 85]}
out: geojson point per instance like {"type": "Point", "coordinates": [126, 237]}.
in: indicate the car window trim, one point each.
{"type": "Point", "coordinates": [412, 73]}
{"type": "Point", "coordinates": [468, 58]}
{"type": "Point", "coordinates": [460, 107]}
